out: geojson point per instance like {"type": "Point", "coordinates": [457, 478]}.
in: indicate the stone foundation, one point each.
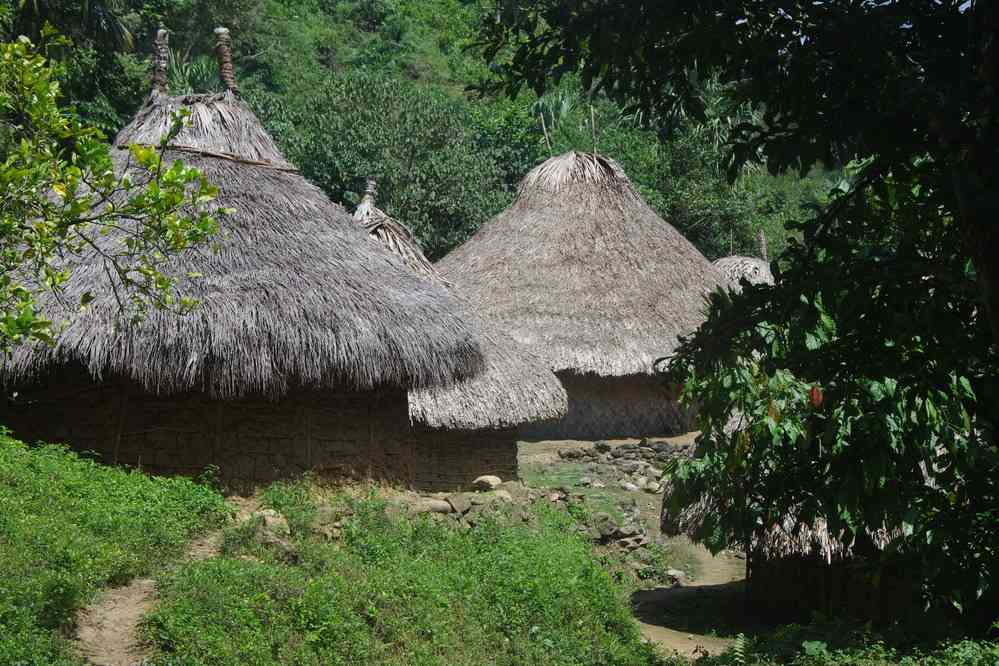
{"type": "Point", "coordinates": [251, 441]}
{"type": "Point", "coordinates": [613, 407]}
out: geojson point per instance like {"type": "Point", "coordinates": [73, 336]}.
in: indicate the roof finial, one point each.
{"type": "Point", "coordinates": [161, 56]}
{"type": "Point", "coordinates": [371, 188]}
{"type": "Point", "coordinates": [763, 244]}
{"type": "Point", "coordinates": [223, 50]}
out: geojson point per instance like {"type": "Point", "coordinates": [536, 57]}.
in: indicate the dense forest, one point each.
{"type": "Point", "coordinates": [389, 89]}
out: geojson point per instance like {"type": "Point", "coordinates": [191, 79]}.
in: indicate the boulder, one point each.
{"type": "Point", "coordinates": [602, 447]}
{"type": "Point", "coordinates": [430, 505]}
{"type": "Point", "coordinates": [503, 496]}
{"type": "Point", "coordinates": [628, 466]}
{"type": "Point", "coordinates": [460, 502]}
{"type": "Point", "coordinates": [487, 482]}
{"type": "Point", "coordinates": [584, 481]}
{"type": "Point", "coordinates": [629, 486]}
{"type": "Point", "coordinates": [604, 524]}
{"type": "Point", "coordinates": [598, 484]}
{"type": "Point", "coordinates": [653, 488]}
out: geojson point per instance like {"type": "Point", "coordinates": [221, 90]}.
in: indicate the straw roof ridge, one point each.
{"type": "Point", "coordinates": [293, 296]}
{"type": "Point", "coordinates": [736, 267]}
{"type": "Point", "coordinates": [583, 272]}
{"type": "Point", "coordinates": [514, 388]}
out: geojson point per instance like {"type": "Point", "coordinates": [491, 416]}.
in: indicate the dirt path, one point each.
{"type": "Point", "coordinates": [666, 614]}
{"type": "Point", "coordinates": [108, 630]}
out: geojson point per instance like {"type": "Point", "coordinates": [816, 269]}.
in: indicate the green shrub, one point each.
{"type": "Point", "coordinates": [69, 526]}
{"type": "Point", "coordinates": [403, 592]}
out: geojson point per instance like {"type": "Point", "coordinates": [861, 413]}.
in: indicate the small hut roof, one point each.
{"type": "Point", "coordinates": [789, 538]}
{"type": "Point", "coordinates": [581, 271]}
{"type": "Point", "coordinates": [294, 295]}
{"type": "Point", "coordinates": [514, 388]}
{"type": "Point", "coordinates": [736, 267]}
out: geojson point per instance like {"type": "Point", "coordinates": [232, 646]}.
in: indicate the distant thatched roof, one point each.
{"type": "Point", "coordinates": [790, 538]}
{"type": "Point", "coordinates": [295, 294]}
{"type": "Point", "coordinates": [514, 388]}
{"type": "Point", "coordinates": [581, 271]}
{"type": "Point", "coordinates": [736, 267]}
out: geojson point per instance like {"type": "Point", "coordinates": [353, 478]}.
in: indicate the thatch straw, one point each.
{"type": "Point", "coordinates": [294, 296]}
{"type": "Point", "coordinates": [736, 267]}
{"type": "Point", "coordinates": [394, 236]}
{"type": "Point", "coordinates": [792, 537]}
{"type": "Point", "coordinates": [514, 388]}
{"type": "Point", "coordinates": [581, 271]}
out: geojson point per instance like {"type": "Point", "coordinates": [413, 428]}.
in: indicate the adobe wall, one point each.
{"type": "Point", "coordinates": [613, 407]}
{"type": "Point", "coordinates": [350, 434]}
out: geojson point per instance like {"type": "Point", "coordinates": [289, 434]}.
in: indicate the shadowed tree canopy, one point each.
{"type": "Point", "coordinates": [839, 79]}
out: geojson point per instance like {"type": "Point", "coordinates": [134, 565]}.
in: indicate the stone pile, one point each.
{"type": "Point", "coordinates": [632, 467]}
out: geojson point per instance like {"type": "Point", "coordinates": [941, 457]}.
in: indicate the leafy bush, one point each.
{"type": "Point", "coordinates": [403, 592]}
{"type": "Point", "coordinates": [69, 526]}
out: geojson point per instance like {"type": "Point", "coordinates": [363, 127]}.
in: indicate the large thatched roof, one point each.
{"type": "Point", "coordinates": [295, 295]}
{"type": "Point", "coordinates": [514, 388]}
{"type": "Point", "coordinates": [737, 267]}
{"type": "Point", "coordinates": [581, 271]}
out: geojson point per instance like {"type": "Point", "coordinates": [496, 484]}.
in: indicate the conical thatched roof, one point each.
{"type": "Point", "coordinates": [581, 271]}
{"type": "Point", "coordinates": [736, 267]}
{"type": "Point", "coordinates": [295, 295]}
{"type": "Point", "coordinates": [514, 388]}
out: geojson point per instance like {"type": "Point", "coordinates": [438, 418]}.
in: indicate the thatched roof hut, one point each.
{"type": "Point", "coordinates": [300, 355]}
{"type": "Point", "coordinates": [800, 565]}
{"type": "Point", "coordinates": [293, 295]}
{"type": "Point", "coordinates": [582, 271]}
{"type": "Point", "coordinates": [515, 386]}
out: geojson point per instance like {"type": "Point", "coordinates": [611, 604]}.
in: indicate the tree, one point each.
{"type": "Point", "coordinates": [891, 80]}
{"type": "Point", "coordinates": [864, 385]}
{"type": "Point", "coordinates": [63, 195]}
{"type": "Point", "coordinates": [418, 143]}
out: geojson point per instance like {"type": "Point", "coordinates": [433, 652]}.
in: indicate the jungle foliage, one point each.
{"type": "Point", "coordinates": [321, 72]}
{"type": "Point", "coordinates": [864, 385]}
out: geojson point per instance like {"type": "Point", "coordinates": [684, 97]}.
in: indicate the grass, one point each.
{"type": "Point", "coordinates": [69, 526]}
{"type": "Point", "coordinates": [837, 643]}
{"type": "Point", "coordinates": [400, 591]}
{"type": "Point", "coordinates": [567, 475]}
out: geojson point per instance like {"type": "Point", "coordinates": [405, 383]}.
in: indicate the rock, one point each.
{"type": "Point", "coordinates": [619, 452]}
{"type": "Point", "coordinates": [628, 466]}
{"type": "Point", "coordinates": [517, 489]}
{"type": "Point", "coordinates": [602, 446]}
{"type": "Point", "coordinates": [272, 521]}
{"type": "Point", "coordinates": [503, 496]}
{"type": "Point", "coordinates": [633, 543]}
{"type": "Point", "coordinates": [641, 482]}
{"type": "Point", "coordinates": [584, 481]}
{"type": "Point", "coordinates": [486, 482]}
{"type": "Point", "coordinates": [629, 486]}
{"type": "Point", "coordinates": [430, 505]}
{"type": "Point", "coordinates": [653, 488]}
{"type": "Point", "coordinates": [603, 523]}
{"type": "Point", "coordinates": [460, 502]}
{"type": "Point", "coordinates": [570, 454]}
{"type": "Point", "coordinates": [627, 530]}
{"type": "Point", "coordinates": [598, 484]}
{"type": "Point", "coordinates": [676, 574]}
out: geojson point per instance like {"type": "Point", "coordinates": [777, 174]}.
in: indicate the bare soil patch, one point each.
{"type": "Point", "coordinates": [107, 631]}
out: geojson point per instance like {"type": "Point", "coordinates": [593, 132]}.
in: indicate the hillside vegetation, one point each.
{"type": "Point", "coordinates": [380, 88]}
{"type": "Point", "coordinates": [68, 527]}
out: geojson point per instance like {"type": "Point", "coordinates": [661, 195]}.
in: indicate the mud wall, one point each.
{"type": "Point", "coordinates": [613, 407]}
{"type": "Point", "coordinates": [347, 434]}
